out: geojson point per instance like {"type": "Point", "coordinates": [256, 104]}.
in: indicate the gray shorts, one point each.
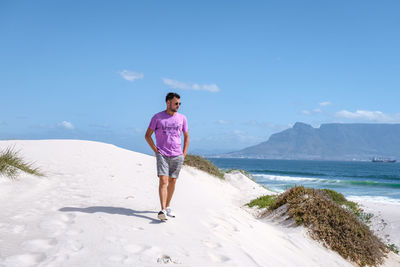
{"type": "Point", "coordinates": [169, 166]}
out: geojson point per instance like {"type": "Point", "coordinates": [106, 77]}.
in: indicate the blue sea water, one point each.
{"type": "Point", "coordinates": [355, 180]}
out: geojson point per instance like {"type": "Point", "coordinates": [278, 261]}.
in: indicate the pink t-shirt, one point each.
{"type": "Point", "coordinates": [168, 129]}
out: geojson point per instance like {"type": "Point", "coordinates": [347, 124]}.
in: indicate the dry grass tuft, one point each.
{"type": "Point", "coordinates": [204, 165]}
{"type": "Point", "coordinates": [337, 227]}
{"type": "Point", "coordinates": [11, 163]}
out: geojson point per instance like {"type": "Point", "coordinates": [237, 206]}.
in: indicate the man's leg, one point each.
{"type": "Point", "coordinates": [162, 190]}
{"type": "Point", "coordinates": [170, 189]}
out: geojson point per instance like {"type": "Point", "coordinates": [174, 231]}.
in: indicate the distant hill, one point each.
{"type": "Point", "coordinates": [333, 141]}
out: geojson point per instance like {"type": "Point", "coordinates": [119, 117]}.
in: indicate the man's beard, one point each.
{"type": "Point", "coordinates": [173, 108]}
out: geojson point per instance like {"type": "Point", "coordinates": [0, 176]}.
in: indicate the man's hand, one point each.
{"type": "Point", "coordinates": [185, 143]}
{"type": "Point", "coordinates": [150, 140]}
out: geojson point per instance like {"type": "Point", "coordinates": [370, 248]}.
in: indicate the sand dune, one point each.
{"type": "Point", "coordinates": [98, 203]}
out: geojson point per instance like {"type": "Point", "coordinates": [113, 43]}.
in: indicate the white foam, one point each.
{"type": "Point", "coordinates": [286, 178]}
{"type": "Point", "coordinates": [376, 199]}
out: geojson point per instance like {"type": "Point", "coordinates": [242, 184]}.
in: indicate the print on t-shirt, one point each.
{"type": "Point", "coordinates": [172, 128]}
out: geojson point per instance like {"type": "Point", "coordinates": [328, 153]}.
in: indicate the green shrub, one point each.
{"type": "Point", "coordinates": [393, 248]}
{"type": "Point", "coordinates": [11, 163]}
{"type": "Point", "coordinates": [327, 221]}
{"type": "Point", "coordinates": [335, 196]}
{"type": "Point", "coordinates": [262, 202]}
{"type": "Point", "coordinates": [203, 164]}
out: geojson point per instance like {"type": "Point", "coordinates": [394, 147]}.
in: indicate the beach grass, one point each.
{"type": "Point", "coordinates": [327, 216]}
{"type": "Point", "coordinates": [204, 165]}
{"type": "Point", "coordinates": [262, 202]}
{"type": "Point", "coordinates": [11, 163]}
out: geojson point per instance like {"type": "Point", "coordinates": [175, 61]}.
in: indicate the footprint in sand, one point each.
{"type": "Point", "coordinates": [74, 245]}
{"type": "Point", "coordinates": [39, 245]}
{"type": "Point", "coordinates": [218, 258]}
{"type": "Point", "coordinates": [25, 215]}
{"type": "Point", "coordinates": [55, 227]}
{"type": "Point", "coordinates": [80, 196]}
{"type": "Point", "coordinates": [115, 239]}
{"type": "Point", "coordinates": [117, 258]}
{"type": "Point", "coordinates": [209, 225]}
{"type": "Point", "coordinates": [211, 244]}
{"type": "Point", "coordinates": [134, 248]}
{"type": "Point", "coordinates": [58, 260]}
{"type": "Point", "coordinates": [67, 218]}
{"type": "Point", "coordinates": [25, 260]}
{"type": "Point", "coordinates": [137, 228]}
{"type": "Point", "coordinates": [74, 232]}
{"type": "Point", "coordinates": [43, 204]}
{"type": "Point", "coordinates": [58, 226]}
{"type": "Point", "coordinates": [17, 229]}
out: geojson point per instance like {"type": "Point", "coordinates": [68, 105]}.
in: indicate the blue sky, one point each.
{"type": "Point", "coordinates": [99, 70]}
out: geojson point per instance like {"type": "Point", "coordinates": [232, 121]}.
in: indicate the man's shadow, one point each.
{"type": "Point", "coordinates": [113, 210]}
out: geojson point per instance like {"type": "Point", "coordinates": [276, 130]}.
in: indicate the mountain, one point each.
{"type": "Point", "coordinates": [333, 141]}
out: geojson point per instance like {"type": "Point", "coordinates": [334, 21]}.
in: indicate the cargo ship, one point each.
{"type": "Point", "coordinates": [383, 160]}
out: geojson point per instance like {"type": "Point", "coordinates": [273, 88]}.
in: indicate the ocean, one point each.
{"type": "Point", "coordinates": [355, 180]}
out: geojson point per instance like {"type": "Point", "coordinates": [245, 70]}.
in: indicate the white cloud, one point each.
{"type": "Point", "coordinates": [311, 112]}
{"type": "Point", "coordinates": [238, 132]}
{"type": "Point", "coordinates": [191, 86]}
{"type": "Point", "coordinates": [67, 125]}
{"type": "Point", "coordinates": [326, 103]}
{"type": "Point", "coordinates": [131, 75]}
{"type": "Point", "coordinates": [377, 116]}
{"type": "Point", "coordinates": [223, 122]}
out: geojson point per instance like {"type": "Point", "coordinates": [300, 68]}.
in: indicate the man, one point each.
{"type": "Point", "coordinates": [168, 126]}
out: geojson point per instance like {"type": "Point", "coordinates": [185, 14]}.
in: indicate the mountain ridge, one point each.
{"type": "Point", "coordinates": [331, 141]}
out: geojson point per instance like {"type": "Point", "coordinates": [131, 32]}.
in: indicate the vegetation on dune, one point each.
{"type": "Point", "coordinates": [263, 201]}
{"type": "Point", "coordinates": [203, 164]}
{"type": "Point", "coordinates": [393, 248]}
{"type": "Point", "coordinates": [349, 205]}
{"type": "Point", "coordinates": [331, 219]}
{"type": "Point", "coordinates": [11, 163]}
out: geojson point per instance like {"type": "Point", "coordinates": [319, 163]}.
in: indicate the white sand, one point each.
{"type": "Point", "coordinates": [98, 206]}
{"type": "Point", "coordinates": [386, 221]}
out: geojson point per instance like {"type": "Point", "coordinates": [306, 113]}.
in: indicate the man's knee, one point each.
{"type": "Point", "coordinates": [163, 180]}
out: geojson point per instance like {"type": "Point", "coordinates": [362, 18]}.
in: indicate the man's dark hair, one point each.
{"type": "Point", "coordinates": [171, 96]}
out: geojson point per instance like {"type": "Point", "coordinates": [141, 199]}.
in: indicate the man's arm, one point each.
{"type": "Point", "coordinates": [149, 140]}
{"type": "Point", "coordinates": [185, 143]}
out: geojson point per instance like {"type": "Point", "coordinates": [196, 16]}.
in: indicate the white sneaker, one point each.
{"type": "Point", "coordinates": [162, 215]}
{"type": "Point", "coordinates": [170, 213]}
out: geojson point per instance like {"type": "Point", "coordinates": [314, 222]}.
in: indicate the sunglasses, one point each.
{"type": "Point", "coordinates": [178, 103]}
